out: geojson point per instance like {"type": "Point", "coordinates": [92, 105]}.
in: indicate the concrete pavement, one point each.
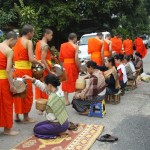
{"type": "Point", "coordinates": [129, 120]}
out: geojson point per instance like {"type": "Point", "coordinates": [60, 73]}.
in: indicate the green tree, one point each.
{"type": "Point", "coordinates": [126, 16]}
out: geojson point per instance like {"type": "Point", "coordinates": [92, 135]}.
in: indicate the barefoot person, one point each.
{"type": "Point", "coordinates": [23, 57]}
{"type": "Point", "coordinates": [55, 113]}
{"type": "Point", "coordinates": [6, 83]}
{"type": "Point", "coordinates": [138, 62]}
{"type": "Point", "coordinates": [42, 53]}
{"type": "Point", "coordinates": [121, 70]}
{"type": "Point", "coordinates": [69, 57]}
{"type": "Point", "coordinates": [96, 49]}
{"type": "Point", "coordinates": [111, 76]}
{"type": "Point", "coordinates": [43, 87]}
{"type": "Point", "coordinates": [94, 92]}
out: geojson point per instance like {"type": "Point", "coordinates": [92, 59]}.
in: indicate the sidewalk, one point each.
{"type": "Point", "coordinates": [129, 120]}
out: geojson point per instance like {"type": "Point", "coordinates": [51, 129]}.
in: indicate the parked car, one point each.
{"type": "Point", "coordinates": [149, 42]}
{"type": "Point", "coordinates": [145, 39]}
{"type": "Point", "coordinates": [83, 45]}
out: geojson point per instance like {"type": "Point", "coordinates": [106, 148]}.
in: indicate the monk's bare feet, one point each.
{"type": "Point", "coordinates": [29, 120]}
{"type": "Point", "coordinates": [10, 132]}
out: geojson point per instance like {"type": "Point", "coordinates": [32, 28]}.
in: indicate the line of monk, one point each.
{"type": "Point", "coordinates": [23, 57]}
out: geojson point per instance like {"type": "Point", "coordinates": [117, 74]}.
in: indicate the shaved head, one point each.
{"type": "Point", "coordinates": [72, 36]}
{"type": "Point", "coordinates": [11, 35]}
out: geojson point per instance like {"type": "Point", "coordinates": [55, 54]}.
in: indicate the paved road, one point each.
{"type": "Point", "coordinates": [129, 120]}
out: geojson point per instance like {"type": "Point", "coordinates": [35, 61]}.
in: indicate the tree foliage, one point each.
{"type": "Point", "coordinates": [124, 16]}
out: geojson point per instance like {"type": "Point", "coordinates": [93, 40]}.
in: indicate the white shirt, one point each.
{"type": "Point", "coordinates": [42, 87]}
{"type": "Point", "coordinates": [103, 92]}
{"type": "Point", "coordinates": [123, 69]}
{"type": "Point", "coordinates": [132, 66]}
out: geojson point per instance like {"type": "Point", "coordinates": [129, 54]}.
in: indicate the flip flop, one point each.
{"type": "Point", "coordinates": [72, 126]}
{"type": "Point", "coordinates": [85, 113]}
{"type": "Point", "coordinates": [107, 138]}
{"type": "Point", "coordinates": [68, 104]}
{"type": "Point", "coordinates": [17, 120]}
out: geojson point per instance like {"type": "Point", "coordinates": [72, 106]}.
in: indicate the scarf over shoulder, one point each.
{"type": "Point", "coordinates": [96, 84]}
{"type": "Point", "coordinates": [57, 106]}
{"type": "Point", "coordinates": [113, 71]}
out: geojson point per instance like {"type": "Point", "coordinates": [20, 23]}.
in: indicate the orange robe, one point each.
{"type": "Point", "coordinates": [128, 47]}
{"type": "Point", "coordinates": [117, 45]}
{"type": "Point", "coordinates": [23, 67]}
{"type": "Point", "coordinates": [38, 53]}
{"type": "Point", "coordinates": [67, 56]}
{"type": "Point", "coordinates": [94, 48]}
{"type": "Point", "coordinates": [106, 49]}
{"type": "Point", "coordinates": [6, 101]}
{"type": "Point", "coordinates": [140, 47]}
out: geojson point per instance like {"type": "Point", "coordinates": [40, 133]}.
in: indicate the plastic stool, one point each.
{"type": "Point", "coordinates": [97, 109]}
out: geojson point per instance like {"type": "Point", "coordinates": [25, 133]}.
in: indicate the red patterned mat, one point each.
{"type": "Point", "coordinates": [82, 139]}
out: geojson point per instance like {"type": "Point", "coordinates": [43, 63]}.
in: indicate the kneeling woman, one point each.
{"type": "Point", "coordinates": [93, 93]}
{"type": "Point", "coordinates": [111, 76]}
{"type": "Point", "coordinates": [138, 62]}
{"type": "Point", "coordinates": [55, 113]}
{"type": "Point", "coordinates": [121, 70]}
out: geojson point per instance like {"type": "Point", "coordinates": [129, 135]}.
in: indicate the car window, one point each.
{"type": "Point", "coordinates": [84, 39]}
{"type": "Point", "coordinates": [143, 37]}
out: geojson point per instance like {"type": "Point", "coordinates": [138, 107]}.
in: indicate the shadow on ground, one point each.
{"type": "Point", "coordinates": [133, 134]}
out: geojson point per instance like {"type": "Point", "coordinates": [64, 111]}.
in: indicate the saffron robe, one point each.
{"type": "Point", "coordinates": [106, 49]}
{"type": "Point", "coordinates": [140, 47]}
{"type": "Point", "coordinates": [6, 101]}
{"type": "Point", "coordinates": [117, 45]}
{"type": "Point", "coordinates": [67, 56]}
{"type": "Point", "coordinates": [94, 48]}
{"type": "Point", "coordinates": [128, 47]}
{"type": "Point", "coordinates": [38, 52]}
{"type": "Point", "coordinates": [23, 106]}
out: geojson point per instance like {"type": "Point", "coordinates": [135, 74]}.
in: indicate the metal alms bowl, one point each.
{"type": "Point", "coordinates": [20, 84]}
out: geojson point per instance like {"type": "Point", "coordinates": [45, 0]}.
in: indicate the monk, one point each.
{"type": "Point", "coordinates": [96, 49]}
{"type": "Point", "coordinates": [140, 47]}
{"type": "Point", "coordinates": [69, 56]}
{"type": "Point", "coordinates": [117, 45]}
{"type": "Point", "coordinates": [128, 46]}
{"type": "Point", "coordinates": [42, 53]}
{"type": "Point", "coordinates": [107, 46]}
{"type": "Point", "coordinates": [23, 57]}
{"type": "Point", "coordinates": [6, 83]}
